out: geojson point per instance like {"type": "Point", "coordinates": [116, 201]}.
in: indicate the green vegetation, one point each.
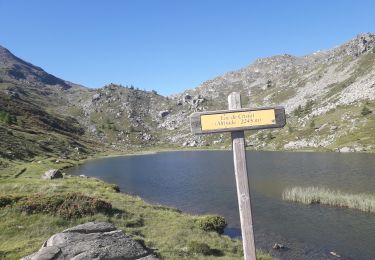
{"type": "Point", "coordinates": [7, 118]}
{"type": "Point", "coordinates": [212, 223]}
{"type": "Point", "coordinates": [312, 124]}
{"type": "Point", "coordinates": [302, 111]}
{"type": "Point", "coordinates": [199, 248]}
{"type": "Point", "coordinates": [335, 198]}
{"type": "Point", "coordinates": [69, 205]}
{"type": "Point", "coordinates": [365, 111]}
{"type": "Point", "coordinates": [33, 209]}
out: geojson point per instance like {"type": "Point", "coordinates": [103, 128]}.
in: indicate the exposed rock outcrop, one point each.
{"type": "Point", "coordinates": [91, 241]}
{"type": "Point", "coordinates": [52, 174]}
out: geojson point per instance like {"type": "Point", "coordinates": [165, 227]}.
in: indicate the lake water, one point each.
{"type": "Point", "coordinates": [203, 182]}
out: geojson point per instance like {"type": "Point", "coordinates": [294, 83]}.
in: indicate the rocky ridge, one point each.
{"type": "Point", "coordinates": [324, 94]}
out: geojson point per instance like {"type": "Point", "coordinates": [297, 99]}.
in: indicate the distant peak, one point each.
{"type": "Point", "coordinates": [3, 49]}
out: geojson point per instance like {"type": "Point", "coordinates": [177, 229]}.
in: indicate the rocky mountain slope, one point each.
{"type": "Point", "coordinates": [329, 97]}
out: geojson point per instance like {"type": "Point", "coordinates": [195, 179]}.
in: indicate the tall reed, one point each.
{"type": "Point", "coordinates": [336, 198]}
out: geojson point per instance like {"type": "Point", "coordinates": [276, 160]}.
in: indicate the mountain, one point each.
{"type": "Point", "coordinates": [13, 68]}
{"type": "Point", "coordinates": [329, 98]}
{"type": "Point", "coordinates": [326, 95]}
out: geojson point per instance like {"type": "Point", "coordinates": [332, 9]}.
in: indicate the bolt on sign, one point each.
{"type": "Point", "coordinates": [236, 120]}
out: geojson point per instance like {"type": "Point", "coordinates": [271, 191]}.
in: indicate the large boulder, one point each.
{"type": "Point", "coordinates": [52, 174]}
{"type": "Point", "coordinates": [91, 241]}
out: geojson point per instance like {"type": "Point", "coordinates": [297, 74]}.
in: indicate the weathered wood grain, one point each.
{"type": "Point", "coordinates": [243, 192]}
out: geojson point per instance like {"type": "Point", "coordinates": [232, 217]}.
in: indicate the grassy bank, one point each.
{"type": "Point", "coordinates": [335, 198]}
{"type": "Point", "coordinates": [32, 209]}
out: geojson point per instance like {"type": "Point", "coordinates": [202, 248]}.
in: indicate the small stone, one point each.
{"type": "Point", "coordinates": [345, 150]}
{"type": "Point", "coordinates": [278, 246]}
{"type": "Point", "coordinates": [334, 254]}
{"type": "Point", "coordinates": [333, 128]}
{"type": "Point", "coordinates": [96, 97]}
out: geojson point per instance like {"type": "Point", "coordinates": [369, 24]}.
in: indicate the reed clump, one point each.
{"type": "Point", "coordinates": [335, 198]}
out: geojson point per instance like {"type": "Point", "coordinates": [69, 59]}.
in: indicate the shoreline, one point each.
{"type": "Point", "coordinates": [31, 177]}
{"type": "Point", "coordinates": [197, 149]}
{"type": "Point", "coordinates": [166, 229]}
{"type": "Point", "coordinates": [266, 238]}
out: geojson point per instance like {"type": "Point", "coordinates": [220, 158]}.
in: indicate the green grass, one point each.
{"type": "Point", "coordinates": [174, 234]}
{"type": "Point", "coordinates": [335, 198]}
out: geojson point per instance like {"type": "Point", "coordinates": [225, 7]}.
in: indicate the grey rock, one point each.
{"type": "Point", "coordinates": [163, 113]}
{"type": "Point", "coordinates": [45, 253]}
{"type": "Point", "coordinates": [12, 93]}
{"type": "Point", "coordinates": [345, 150]}
{"type": "Point", "coordinates": [91, 241]}
{"type": "Point", "coordinates": [52, 174]}
{"type": "Point", "coordinates": [91, 227]}
{"type": "Point", "coordinates": [333, 128]}
{"type": "Point", "coordinates": [278, 246]}
{"type": "Point", "coordinates": [96, 97]}
{"type": "Point", "coordinates": [333, 253]}
{"type": "Point", "coordinates": [186, 98]}
{"type": "Point", "coordinates": [146, 137]}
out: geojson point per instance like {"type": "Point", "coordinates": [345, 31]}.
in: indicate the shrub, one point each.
{"type": "Point", "coordinates": [115, 187]}
{"type": "Point", "coordinates": [7, 118]}
{"type": "Point", "coordinates": [212, 223]}
{"type": "Point", "coordinates": [312, 124]}
{"type": "Point", "coordinates": [71, 205]}
{"type": "Point", "coordinates": [365, 111]}
{"type": "Point", "coordinates": [270, 136]}
{"type": "Point", "coordinates": [198, 248]}
{"type": "Point", "coordinates": [8, 200]}
{"type": "Point", "coordinates": [298, 111]}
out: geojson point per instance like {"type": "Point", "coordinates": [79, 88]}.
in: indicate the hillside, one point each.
{"type": "Point", "coordinates": [329, 97]}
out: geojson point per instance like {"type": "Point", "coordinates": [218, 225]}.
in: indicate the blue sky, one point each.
{"type": "Point", "coordinates": [170, 46]}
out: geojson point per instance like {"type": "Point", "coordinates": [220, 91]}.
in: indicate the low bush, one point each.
{"type": "Point", "coordinates": [198, 248]}
{"type": "Point", "coordinates": [212, 223]}
{"type": "Point", "coordinates": [8, 200]}
{"type": "Point", "coordinates": [70, 205]}
{"type": "Point", "coordinates": [365, 111]}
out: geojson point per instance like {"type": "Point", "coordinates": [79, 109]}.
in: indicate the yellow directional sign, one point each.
{"type": "Point", "coordinates": [238, 119]}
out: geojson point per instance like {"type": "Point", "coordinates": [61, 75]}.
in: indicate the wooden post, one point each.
{"type": "Point", "coordinates": [236, 120]}
{"type": "Point", "coordinates": [243, 192]}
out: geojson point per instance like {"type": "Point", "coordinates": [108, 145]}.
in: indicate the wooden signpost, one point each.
{"type": "Point", "coordinates": [236, 120]}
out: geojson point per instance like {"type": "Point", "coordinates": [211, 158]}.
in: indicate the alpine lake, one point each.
{"type": "Point", "coordinates": [203, 182]}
